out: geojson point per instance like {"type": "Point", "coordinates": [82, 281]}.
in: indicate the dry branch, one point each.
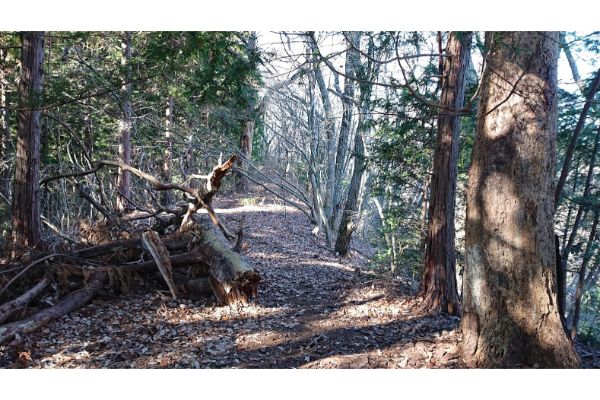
{"type": "Point", "coordinates": [70, 302]}
{"type": "Point", "coordinates": [7, 309]}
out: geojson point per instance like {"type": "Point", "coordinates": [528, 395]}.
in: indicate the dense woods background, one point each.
{"type": "Point", "coordinates": [463, 163]}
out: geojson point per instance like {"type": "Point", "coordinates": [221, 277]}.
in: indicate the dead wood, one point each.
{"type": "Point", "coordinates": [231, 278]}
{"type": "Point", "coordinates": [160, 255]}
{"type": "Point", "coordinates": [7, 309]}
{"type": "Point", "coordinates": [190, 259]}
{"type": "Point", "coordinates": [67, 304]}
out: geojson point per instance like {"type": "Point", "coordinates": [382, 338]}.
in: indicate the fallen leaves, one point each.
{"type": "Point", "coordinates": [313, 310]}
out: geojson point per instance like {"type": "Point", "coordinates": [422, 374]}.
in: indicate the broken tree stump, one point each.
{"type": "Point", "coordinates": [232, 279]}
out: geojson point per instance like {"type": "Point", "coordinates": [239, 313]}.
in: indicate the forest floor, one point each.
{"type": "Point", "coordinates": [313, 310]}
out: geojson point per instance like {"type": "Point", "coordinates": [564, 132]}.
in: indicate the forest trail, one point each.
{"type": "Point", "coordinates": [313, 310]}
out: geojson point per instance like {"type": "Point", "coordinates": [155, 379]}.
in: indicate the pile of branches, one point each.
{"type": "Point", "coordinates": [191, 251]}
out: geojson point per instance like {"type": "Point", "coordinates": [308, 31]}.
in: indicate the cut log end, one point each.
{"type": "Point", "coordinates": [237, 292]}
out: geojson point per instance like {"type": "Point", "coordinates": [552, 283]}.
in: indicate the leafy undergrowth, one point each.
{"type": "Point", "coordinates": [313, 310]}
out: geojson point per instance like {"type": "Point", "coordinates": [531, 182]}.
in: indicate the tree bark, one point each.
{"type": "Point", "coordinates": [5, 142]}
{"type": "Point", "coordinates": [352, 60]}
{"type": "Point", "coordinates": [26, 202]}
{"type": "Point", "coordinates": [348, 221]}
{"type": "Point", "coordinates": [233, 281]}
{"type": "Point", "coordinates": [124, 177]}
{"type": "Point", "coordinates": [510, 312]}
{"type": "Point", "coordinates": [438, 288]}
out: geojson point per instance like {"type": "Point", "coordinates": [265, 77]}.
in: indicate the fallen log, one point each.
{"type": "Point", "coordinates": [67, 304]}
{"type": "Point", "coordinates": [7, 309]}
{"type": "Point", "coordinates": [190, 259]}
{"type": "Point", "coordinates": [231, 278]}
{"type": "Point", "coordinates": [196, 286]}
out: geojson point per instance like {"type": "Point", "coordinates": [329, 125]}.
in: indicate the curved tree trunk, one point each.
{"type": "Point", "coordinates": [438, 287]}
{"type": "Point", "coordinates": [510, 311]}
{"type": "Point", "coordinates": [26, 201]}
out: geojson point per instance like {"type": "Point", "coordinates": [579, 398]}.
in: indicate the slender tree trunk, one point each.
{"type": "Point", "coordinates": [438, 287]}
{"type": "Point", "coordinates": [581, 280]}
{"type": "Point", "coordinates": [574, 71]}
{"type": "Point", "coordinates": [510, 313]}
{"type": "Point", "coordinates": [579, 217]}
{"type": "Point", "coordinates": [247, 134]}
{"type": "Point", "coordinates": [349, 218]}
{"type": "Point", "coordinates": [5, 142]}
{"type": "Point", "coordinates": [168, 155]}
{"type": "Point", "coordinates": [26, 202]}
{"type": "Point", "coordinates": [352, 60]}
{"type": "Point", "coordinates": [124, 177]}
{"type": "Point", "coordinates": [574, 138]}
{"type": "Point", "coordinates": [331, 139]}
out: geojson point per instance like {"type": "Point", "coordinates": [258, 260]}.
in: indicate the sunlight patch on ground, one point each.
{"type": "Point", "coordinates": [267, 208]}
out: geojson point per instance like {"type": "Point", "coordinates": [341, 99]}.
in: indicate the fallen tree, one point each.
{"type": "Point", "coordinates": [197, 257]}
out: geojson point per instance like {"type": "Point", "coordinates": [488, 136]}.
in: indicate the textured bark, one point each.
{"type": "Point", "coordinates": [438, 288]}
{"type": "Point", "coordinates": [124, 177]}
{"type": "Point", "coordinates": [510, 311]}
{"type": "Point", "coordinates": [26, 202]}
{"type": "Point", "coordinates": [233, 281]}
{"type": "Point", "coordinates": [5, 142]}
{"type": "Point", "coordinates": [160, 255]}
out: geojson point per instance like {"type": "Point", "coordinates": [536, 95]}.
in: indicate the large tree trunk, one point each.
{"type": "Point", "coordinates": [438, 287]}
{"type": "Point", "coordinates": [510, 311]}
{"type": "Point", "coordinates": [26, 201]}
{"type": "Point", "coordinates": [124, 177]}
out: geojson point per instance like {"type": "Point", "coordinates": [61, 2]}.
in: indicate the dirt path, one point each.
{"type": "Point", "coordinates": [313, 310]}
